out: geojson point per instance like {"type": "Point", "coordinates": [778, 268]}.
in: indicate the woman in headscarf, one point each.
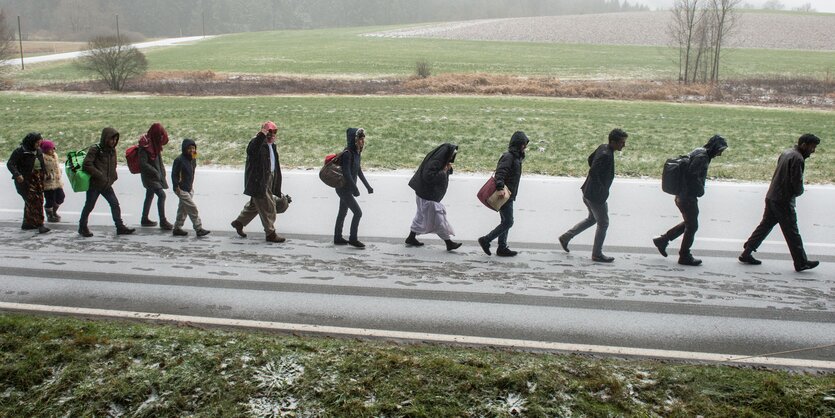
{"type": "Point", "coordinates": [351, 169]}
{"type": "Point", "coordinates": [153, 175]}
{"type": "Point", "coordinates": [27, 165]}
{"type": "Point", "coordinates": [430, 183]}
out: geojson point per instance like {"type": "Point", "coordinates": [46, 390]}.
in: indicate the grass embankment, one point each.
{"type": "Point", "coordinates": [403, 129]}
{"type": "Point", "coordinates": [68, 367]}
{"type": "Point", "coordinates": [345, 52]}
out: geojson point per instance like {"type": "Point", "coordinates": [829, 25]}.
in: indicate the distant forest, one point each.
{"type": "Point", "coordinates": [81, 19]}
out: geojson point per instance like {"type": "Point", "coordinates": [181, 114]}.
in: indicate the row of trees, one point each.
{"type": "Point", "coordinates": [779, 5]}
{"type": "Point", "coordinates": [82, 19]}
{"type": "Point", "coordinates": [698, 29]}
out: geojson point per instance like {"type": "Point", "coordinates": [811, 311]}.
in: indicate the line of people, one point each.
{"type": "Point", "coordinates": [37, 175]}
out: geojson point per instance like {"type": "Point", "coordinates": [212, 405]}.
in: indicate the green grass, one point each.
{"type": "Point", "coordinates": [67, 367]}
{"type": "Point", "coordinates": [402, 129]}
{"type": "Point", "coordinates": [343, 52]}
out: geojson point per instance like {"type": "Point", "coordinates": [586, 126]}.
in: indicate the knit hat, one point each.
{"type": "Point", "coordinates": [47, 145]}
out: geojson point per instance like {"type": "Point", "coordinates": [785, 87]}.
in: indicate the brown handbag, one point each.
{"type": "Point", "coordinates": [489, 196]}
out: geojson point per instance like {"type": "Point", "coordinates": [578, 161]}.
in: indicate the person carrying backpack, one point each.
{"type": "Point", "coordinates": [596, 192]}
{"type": "Point", "coordinates": [100, 163]}
{"type": "Point", "coordinates": [430, 183]}
{"type": "Point", "coordinates": [508, 173]}
{"type": "Point", "coordinates": [351, 169]}
{"type": "Point", "coordinates": [687, 200]}
{"type": "Point", "coordinates": [786, 186]}
{"type": "Point", "coordinates": [27, 167]}
{"type": "Point", "coordinates": [152, 171]}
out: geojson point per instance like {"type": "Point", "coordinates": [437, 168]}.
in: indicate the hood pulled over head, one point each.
{"type": "Point", "coordinates": [517, 142]}
{"type": "Point", "coordinates": [187, 143]}
{"type": "Point", "coordinates": [715, 145]}
{"type": "Point", "coordinates": [106, 134]}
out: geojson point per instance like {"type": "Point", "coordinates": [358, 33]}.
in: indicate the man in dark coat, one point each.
{"type": "Point", "coordinates": [27, 167]}
{"type": "Point", "coordinates": [430, 183]}
{"type": "Point", "coordinates": [100, 163]}
{"type": "Point", "coordinates": [262, 180]}
{"type": "Point", "coordinates": [786, 186]}
{"type": "Point", "coordinates": [596, 192]}
{"type": "Point", "coordinates": [508, 173]}
{"type": "Point", "coordinates": [688, 201]}
{"type": "Point", "coordinates": [351, 162]}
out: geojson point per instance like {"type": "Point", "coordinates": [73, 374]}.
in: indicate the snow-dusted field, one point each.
{"type": "Point", "coordinates": [753, 30]}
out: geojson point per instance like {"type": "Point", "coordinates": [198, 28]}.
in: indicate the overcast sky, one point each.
{"type": "Point", "coordinates": [821, 5]}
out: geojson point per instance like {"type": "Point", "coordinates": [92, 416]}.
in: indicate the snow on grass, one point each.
{"type": "Point", "coordinates": [276, 376]}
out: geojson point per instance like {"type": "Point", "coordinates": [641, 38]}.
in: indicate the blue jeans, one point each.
{"type": "Point", "coordinates": [500, 232]}
{"type": "Point", "coordinates": [92, 197]}
{"type": "Point", "coordinates": [347, 201]}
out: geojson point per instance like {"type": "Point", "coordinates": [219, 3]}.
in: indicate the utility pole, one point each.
{"type": "Point", "coordinates": [203, 18]}
{"type": "Point", "coordinates": [20, 39]}
{"type": "Point", "coordinates": [118, 36]}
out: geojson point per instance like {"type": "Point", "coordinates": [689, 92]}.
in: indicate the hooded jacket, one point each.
{"type": "Point", "coordinates": [24, 160]}
{"type": "Point", "coordinates": [151, 167]}
{"type": "Point", "coordinates": [351, 164]}
{"type": "Point", "coordinates": [787, 181]}
{"type": "Point", "coordinates": [182, 171]}
{"type": "Point", "coordinates": [430, 181]}
{"type": "Point", "coordinates": [509, 167]}
{"type": "Point", "coordinates": [100, 161]}
{"type": "Point", "coordinates": [257, 170]}
{"type": "Point", "coordinates": [601, 174]}
{"type": "Point", "coordinates": [694, 181]}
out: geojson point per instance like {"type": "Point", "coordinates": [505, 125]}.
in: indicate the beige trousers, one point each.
{"type": "Point", "coordinates": [264, 207]}
{"type": "Point", "coordinates": [188, 208]}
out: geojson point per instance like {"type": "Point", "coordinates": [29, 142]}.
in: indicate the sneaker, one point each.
{"type": "Point", "coordinates": [42, 229]}
{"type": "Point", "coordinates": [178, 232]}
{"type": "Point", "coordinates": [239, 228]}
{"type": "Point", "coordinates": [808, 266]}
{"type": "Point", "coordinates": [340, 241]}
{"type": "Point", "coordinates": [564, 243]}
{"type": "Point", "coordinates": [123, 230]}
{"type": "Point", "coordinates": [451, 245]}
{"type": "Point", "coordinates": [356, 243]}
{"type": "Point", "coordinates": [485, 246]}
{"type": "Point", "coordinates": [602, 258]}
{"type": "Point", "coordinates": [84, 232]}
{"type": "Point", "coordinates": [202, 232]}
{"type": "Point", "coordinates": [147, 222]}
{"type": "Point", "coordinates": [689, 261]}
{"type": "Point", "coordinates": [412, 241]}
{"type": "Point", "coordinates": [749, 259]}
{"type": "Point", "coordinates": [661, 244]}
{"type": "Point", "coordinates": [506, 252]}
{"type": "Point", "coordinates": [165, 225]}
{"type": "Point", "coordinates": [273, 237]}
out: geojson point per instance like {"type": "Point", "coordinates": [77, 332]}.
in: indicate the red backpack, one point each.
{"type": "Point", "coordinates": [132, 156]}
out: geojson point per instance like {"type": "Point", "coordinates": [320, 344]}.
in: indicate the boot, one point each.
{"type": "Point", "coordinates": [273, 237]}
{"type": "Point", "coordinates": [747, 258]}
{"type": "Point", "coordinates": [412, 240]}
{"type": "Point", "coordinates": [506, 252]}
{"type": "Point", "coordinates": [808, 266]}
{"type": "Point", "coordinates": [485, 246]}
{"type": "Point", "coordinates": [51, 216]}
{"type": "Point", "coordinates": [451, 245]}
{"type": "Point", "coordinates": [42, 229]}
{"type": "Point", "coordinates": [55, 213]}
{"type": "Point", "coordinates": [123, 230]}
{"type": "Point", "coordinates": [147, 222]}
{"type": "Point", "coordinates": [178, 232]}
{"type": "Point", "coordinates": [661, 244]}
{"type": "Point", "coordinates": [340, 241]}
{"type": "Point", "coordinates": [564, 243]}
{"type": "Point", "coordinates": [165, 225]}
{"type": "Point", "coordinates": [202, 232]}
{"type": "Point", "coordinates": [84, 232]}
{"type": "Point", "coordinates": [239, 228]}
{"type": "Point", "coordinates": [601, 258]}
{"type": "Point", "coordinates": [356, 243]}
{"type": "Point", "coordinates": [688, 260]}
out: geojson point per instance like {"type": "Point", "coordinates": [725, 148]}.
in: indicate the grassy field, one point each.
{"type": "Point", "coordinates": [67, 367]}
{"type": "Point", "coordinates": [402, 129]}
{"type": "Point", "coordinates": [344, 52]}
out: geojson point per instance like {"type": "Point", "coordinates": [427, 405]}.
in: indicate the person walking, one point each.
{"type": "Point", "coordinates": [351, 162]}
{"type": "Point", "coordinates": [687, 201]}
{"type": "Point", "coordinates": [182, 178]}
{"type": "Point", "coordinates": [100, 163]}
{"type": "Point", "coordinates": [53, 185]}
{"type": "Point", "coordinates": [262, 181]}
{"type": "Point", "coordinates": [596, 192]}
{"type": "Point", "coordinates": [27, 167]}
{"type": "Point", "coordinates": [430, 183]}
{"type": "Point", "coordinates": [152, 171]}
{"type": "Point", "coordinates": [786, 186]}
{"type": "Point", "coordinates": [508, 173]}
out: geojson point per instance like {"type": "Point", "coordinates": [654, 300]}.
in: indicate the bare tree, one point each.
{"type": "Point", "coordinates": [114, 60]}
{"type": "Point", "coordinates": [699, 29]}
{"type": "Point", "coordinates": [806, 7]}
{"type": "Point", "coordinates": [6, 38]}
{"type": "Point", "coordinates": [774, 5]}
{"type": "Point", "coordinates": [687, 17]}
{"type": "Point", "coordinates": [724, 19]}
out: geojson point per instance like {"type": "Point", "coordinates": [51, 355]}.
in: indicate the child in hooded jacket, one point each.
{"type": "Point", "coordinates": [182, 177]}
{"type": "Point", "coordinates": [53, 184]}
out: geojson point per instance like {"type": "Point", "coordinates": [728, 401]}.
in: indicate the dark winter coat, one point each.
{"type": "Point", "coordinates": [601, 174]}
{"type": "Point", "coordinates": [351, 162]}
{"type": "Point", "coordinates": [100, 161]}
{"type": "Point", "coordinates": [257, 170]}
{"type": "Point", "coordinates": [23, 162]}
{"type": "Point", "coordinates": [696, 175]}
{"type": "Point", "coordinates": [509, 168]}
{"type": "Point", "coordinates": [182, 171]}
{"type": "Point", "coordinates": [787, 181]}
{"type": "Point", "coordinates": [430, 181]}
{"type": "Point", "coordinates": [152, 171]}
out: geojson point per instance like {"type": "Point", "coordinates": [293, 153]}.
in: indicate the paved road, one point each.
{"type": "Point", "coordinates": [642, 301]}
{"type": "Point", "coordinates": [73, 55]}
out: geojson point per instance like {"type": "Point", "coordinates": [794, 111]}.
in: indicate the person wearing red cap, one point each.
{"type": "Point", "coordinates": [262, 181]}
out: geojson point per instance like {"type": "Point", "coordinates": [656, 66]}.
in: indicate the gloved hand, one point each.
{"type": "Point", "coordinates": [370, 190]}
{"type": "Point", "coordinates": [356, 193]}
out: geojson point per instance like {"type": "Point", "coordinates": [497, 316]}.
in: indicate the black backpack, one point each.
{"type": "Point", "coordinates": [673, 175]}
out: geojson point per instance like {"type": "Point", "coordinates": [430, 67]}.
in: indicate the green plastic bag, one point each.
{"type": "Point", "coordinates": [79, 179]}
